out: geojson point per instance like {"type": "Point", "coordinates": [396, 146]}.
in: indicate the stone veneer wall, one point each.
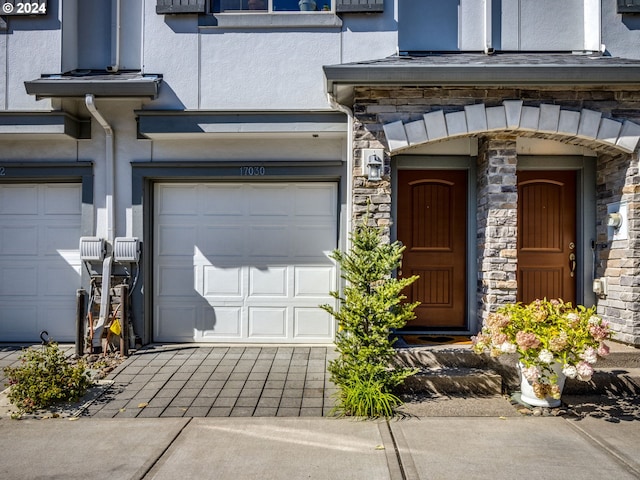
{"type": "Point", "coordinates": [497, 222]}
{"type": "Point", "coordinates": [617, 179]}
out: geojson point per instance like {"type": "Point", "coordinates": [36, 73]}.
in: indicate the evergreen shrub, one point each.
{"type": "Point", "coordinates": [371, 305]}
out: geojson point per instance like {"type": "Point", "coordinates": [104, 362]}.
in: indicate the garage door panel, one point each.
{"type": "Point", "coordinates": [315, 200]}
{"type": "Point", "coordinates": [312, 323]}
{"type": "Point", "coordinates": [176, 240]}
{"type": "Point", "coordinates": [39, 260]}
{"type": "Point", "coordinates": [269, 241]}
{"type": "Point", "coordinates": [19, 240]}
{"type": "Point", "coordinates": [62, 200]}
{"type": "Point", "coordinates": [267, 322]}
{"type": "Point", "coordinates": [222, 241]}
{"type": "Point", "coordinates": [279, 204]}
{"type": "Point", "coordinates": [246, 249]}
{"type": "Point", "coordinates": [176, 322]}
{"type": "Point", "coordinates": [222, 200]}
{"type": "Point", "coordinates": [58, 319]}
{"type": "Point", "coordinates": [176, 281]}
{"type": "Point", "coordinates": [314, 281]}
{"type": "Point", "coordinates": [177, 200]}
{"type": "Point", "coordinates": [314, 241]}
{"type": "Point", "coordinates": [54, 280]}
{"type": "Point", "coordinates": [268, 281]}
{"type": "Point", "coordinates": [221, 323]}
{"type": "Point", "coordinates": [18, 280]}
{"type": "Point", "coordinates": [222, 282]}
{"type": "Point", "coordinates": [19, 200]}
{"type": "Point", "coordinates": [20, 321]}
{"type": "Point", "coordinates": [58, 237]}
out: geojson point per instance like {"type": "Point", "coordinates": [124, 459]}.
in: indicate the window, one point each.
{"type": "Point", "coordinates": [248, 6]}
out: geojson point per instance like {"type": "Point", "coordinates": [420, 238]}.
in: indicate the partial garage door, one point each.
{"type": "Point", "coordinates": [39, 260]}
{"type": "Point", "coordinates": [244, 262]}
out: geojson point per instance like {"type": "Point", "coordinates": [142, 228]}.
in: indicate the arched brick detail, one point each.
{"type": "Point", "coordinates": [512, 115]}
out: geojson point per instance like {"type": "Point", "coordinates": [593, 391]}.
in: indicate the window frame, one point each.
{"type": "Point", "coordinates": [215, 8]}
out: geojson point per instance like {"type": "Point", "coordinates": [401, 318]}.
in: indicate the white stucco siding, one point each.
{"type": "Point", "coordinates": [250, 149]}
{"type": "Point", "coordinates": [170, 48]}
{"type": "Point", "coordinates": [266, 70]}
{"type": "Point", "coordinates": [31, 53]}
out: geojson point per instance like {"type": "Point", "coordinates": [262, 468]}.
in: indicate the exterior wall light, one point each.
{"type": "Point", "coordinates": [374, 163]}
{"type": "Point", "coordinates": [617, 221]}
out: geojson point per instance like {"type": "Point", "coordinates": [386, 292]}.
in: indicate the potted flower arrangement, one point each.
{"type": "Point", "coordinates": [554, 341]}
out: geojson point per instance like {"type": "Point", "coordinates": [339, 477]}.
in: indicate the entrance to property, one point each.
{"type": "Point", "coordinates": [244, 262]}
{"type": "Point", "coordinates": [432, 224]}
{"type": "Point", "coordinates": [40, 224]}
{"type": "Point", "coordinates": [547, 256]}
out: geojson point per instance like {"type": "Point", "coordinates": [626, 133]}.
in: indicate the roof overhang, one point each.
{"type": "Point", "coordinates": [42, 125]}
{"type": "Point", "coordinates": [502, 69]}
{"type": "Point", "coordinates": [172, 124]}
{"type": "Point", "coordinates": [117, 85]}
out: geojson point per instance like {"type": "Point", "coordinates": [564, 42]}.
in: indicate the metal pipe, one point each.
{"type": "Point", "coordinates": [116, 66]}
{"type": "Point", "coordinates": [81, 296]}
{"type": "Point", "coordinates": [110, 211]}
{"type": "Point", "coordinates": [110, 165]}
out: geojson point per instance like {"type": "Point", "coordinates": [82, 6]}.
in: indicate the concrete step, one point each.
{"type": "Point", "coordinates": [620, 356]}
{"type": "Point", "coordinates": [444, 381]}
{"type": "Point", "coordinates": [458, 370]}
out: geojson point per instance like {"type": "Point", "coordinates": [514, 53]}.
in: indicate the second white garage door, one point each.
{"type": "Point", "coordinates": [244, 262]}
{"type": "Point", "coordinates": [39, 260]}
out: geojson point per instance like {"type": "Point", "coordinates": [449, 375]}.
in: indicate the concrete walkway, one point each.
{"type": "Point", "coordinates": [183, 387]}
{"type": "Point", "coordinates": [267, 448]}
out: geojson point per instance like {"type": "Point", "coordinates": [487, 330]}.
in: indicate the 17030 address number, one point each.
{"type": "Point", "coordinates": [257, 171]}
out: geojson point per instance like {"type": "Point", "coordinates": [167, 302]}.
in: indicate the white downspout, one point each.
{"type": "Point", "coordinates": [488, 28]}
{"type": "Point", "coordinates": [337, 106]}
{"type": "Point", "coordinates": [109, 163]}
{"type": "Point", "coordinates": [110, 215]}
{"type": "Point", "coordinates": [116, 66]}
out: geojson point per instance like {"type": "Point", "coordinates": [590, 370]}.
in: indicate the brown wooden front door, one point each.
{"type": "Point", "coordinates": [432, 224]}
{"type": "Point", "coordinates": [547, 235]}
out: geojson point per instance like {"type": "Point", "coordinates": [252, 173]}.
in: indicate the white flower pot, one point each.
{"type": "Point", "coordinates": [529, 397]}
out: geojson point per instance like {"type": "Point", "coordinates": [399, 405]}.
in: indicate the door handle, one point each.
{"type": "Point", "coordinates": [572, 263]}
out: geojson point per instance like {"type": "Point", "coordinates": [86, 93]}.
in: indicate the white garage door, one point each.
{"type": "Point", "coordinates": [244, 262]}
{"type": "Point", "coordinates": [39, 260]}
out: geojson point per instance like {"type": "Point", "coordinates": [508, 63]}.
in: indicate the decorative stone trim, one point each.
{"type": "Point", "coordinates": [513, 115]}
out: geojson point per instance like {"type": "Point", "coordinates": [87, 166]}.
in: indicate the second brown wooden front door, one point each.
{"type": "Point", "coordinates": [547, 257]}
{"type": "Point", "coordinates": [432, 224]}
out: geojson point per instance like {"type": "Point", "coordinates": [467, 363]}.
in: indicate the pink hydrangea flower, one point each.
{"type": "Point", "coordinates": [527, 340]}
{"type": "Point", "coordinates": [545, 356]}
{"type": "Point", "coordinates": [603, 349]}
{"type": "Point", "coordinates": [570, 371]}
{"type": "Point", "coordinates": [532, 373]}
{"type": "Point", "coordinates": [589, 355]}
{"type": "Point", "coordinates": [585, 371]}
{"type": "Point", "coordinates": [599, 331]}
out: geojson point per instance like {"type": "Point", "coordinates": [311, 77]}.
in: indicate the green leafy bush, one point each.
{"type": "Point", "coordinates": [45, 377]}
{"type": "Point", "coordinates": [370, 306]}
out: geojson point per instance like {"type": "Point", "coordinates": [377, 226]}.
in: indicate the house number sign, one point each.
{"type": "Point", "coordinates": [3, 171]}
{"type": "Point", "coordinates": [248, 171]}
{"type": "Point", "coordinates": [24, 8]}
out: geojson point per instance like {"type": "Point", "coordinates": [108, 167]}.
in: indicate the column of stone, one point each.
{"type": "Point", "coordinates": [496, 218]}
{"type": "Point", "coordinates": [630, 266]}
{"type": "Point", "coordinates": [619, 260]}
{"type": "Point", "coordinates": [374, 196]}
